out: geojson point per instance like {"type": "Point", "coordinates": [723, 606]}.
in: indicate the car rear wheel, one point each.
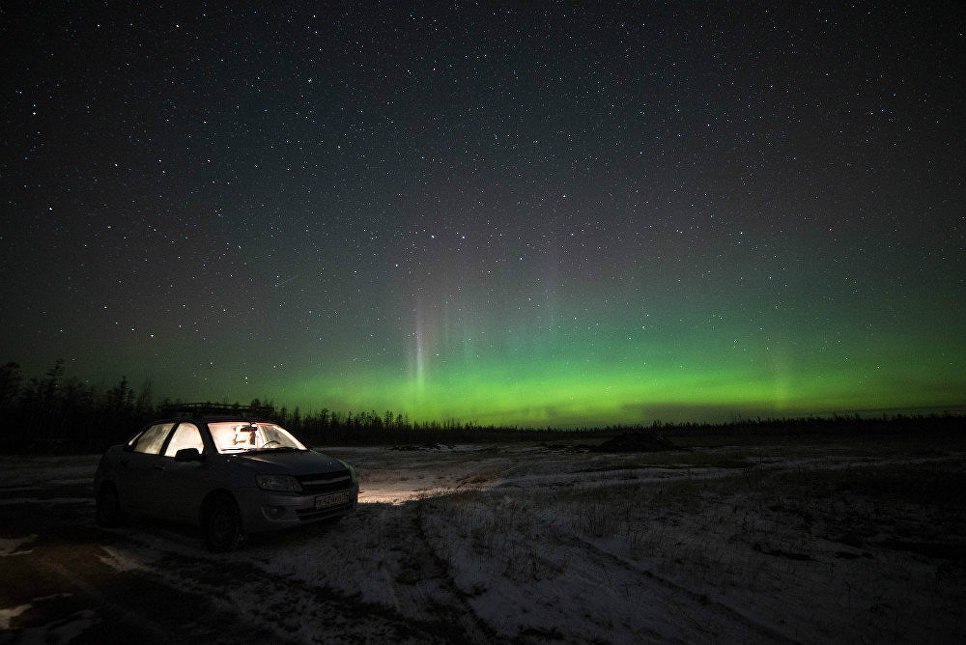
{"type": "Point", "coordinates": [222, 525]}
{"type": "Point", "coordinates": [108, 510]}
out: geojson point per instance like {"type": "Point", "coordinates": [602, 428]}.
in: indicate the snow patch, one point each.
{"type": "Point", "coordinates": [119, 561]}
{"type": "Point", "coordinates": [8, 614]}
{"type": "Point", "coordinates": [11, 546]}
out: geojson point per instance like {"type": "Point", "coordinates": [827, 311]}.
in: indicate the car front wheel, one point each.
{"type": "Point", "coordinates": [222, 526]}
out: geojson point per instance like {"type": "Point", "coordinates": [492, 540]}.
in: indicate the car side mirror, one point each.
{"type": "Point", "coordinates": [188, 454]}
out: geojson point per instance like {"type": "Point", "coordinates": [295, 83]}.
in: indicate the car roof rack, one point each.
{"type": "Point", "coordinates": [216, 409]}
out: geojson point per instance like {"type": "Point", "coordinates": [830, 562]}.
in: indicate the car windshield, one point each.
{"type": "Point", "coordinates": [243, 436]}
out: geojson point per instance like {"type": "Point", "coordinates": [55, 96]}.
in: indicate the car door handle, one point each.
{"type": "Point", "coordinates": [159, 467]}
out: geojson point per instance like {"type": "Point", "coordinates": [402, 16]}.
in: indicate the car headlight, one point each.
{"type": "Point", "coordinates": [285, 483]}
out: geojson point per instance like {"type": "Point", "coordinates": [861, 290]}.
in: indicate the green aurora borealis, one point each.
{"type": "Point", "coordinates": [673, 367]}
{"type": "Point", "coordinates": [568, 216]}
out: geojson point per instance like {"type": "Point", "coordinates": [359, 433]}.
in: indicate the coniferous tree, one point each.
{"type": "Point", "coordinates": [10, 380]}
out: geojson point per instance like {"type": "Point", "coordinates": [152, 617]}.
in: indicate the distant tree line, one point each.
{"type": "Point", "coordinates": [60, 414]}
{"type": "Point", "coordinates": [830, 426]}
{"type": "Point", "coordinates": [56, 413]}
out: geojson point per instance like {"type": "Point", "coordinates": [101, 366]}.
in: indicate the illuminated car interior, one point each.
{"type": "Point", "coordinates": [234, 436]}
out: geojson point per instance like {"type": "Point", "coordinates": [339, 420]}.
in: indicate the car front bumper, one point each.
{"type": "Point", "coordinates": [263, 510]}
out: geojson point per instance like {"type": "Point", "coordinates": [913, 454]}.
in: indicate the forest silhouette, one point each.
{"type": "Point", "coordinates": [59, 414]}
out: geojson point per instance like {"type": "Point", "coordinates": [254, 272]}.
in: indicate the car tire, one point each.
{"type": "Point", "coordinates": [108, 512]}
{"type": "Point", "coordinates": [222, 525]}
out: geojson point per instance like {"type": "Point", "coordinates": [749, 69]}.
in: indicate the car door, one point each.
{"type": "Point", "coordinates": [140, 468]}
{"type": "Point", "coordinates": [182, 484]}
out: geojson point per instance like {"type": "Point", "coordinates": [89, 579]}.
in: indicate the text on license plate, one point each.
{"type": "Point", "coordinates": [332, 499]}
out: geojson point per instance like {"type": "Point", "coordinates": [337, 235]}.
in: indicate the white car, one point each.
{"type": "Point", "coordinates": [226, 474]}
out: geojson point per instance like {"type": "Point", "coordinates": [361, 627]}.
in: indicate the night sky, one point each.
{"type": "Point", "coordinates": [508, 213]}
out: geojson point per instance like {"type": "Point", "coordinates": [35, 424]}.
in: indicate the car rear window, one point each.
{"type": "Point", "coordinates": [153, 438]}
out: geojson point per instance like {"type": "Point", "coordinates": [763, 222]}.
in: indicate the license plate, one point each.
{"type": "Point", "coordinates": [332, 499]}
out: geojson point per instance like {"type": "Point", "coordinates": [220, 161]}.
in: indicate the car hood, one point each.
{"type": "Point", "coordinates": [285, 462]}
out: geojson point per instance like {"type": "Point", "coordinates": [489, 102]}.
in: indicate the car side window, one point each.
{"type": "Point", "coordinates": [153, 438]}
{"type": "Point", "coordinates": [186, 435]}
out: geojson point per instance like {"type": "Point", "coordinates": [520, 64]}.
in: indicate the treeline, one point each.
{"type": "Point", "coordinates": [835, 424]}
{"type": "Point", "coordinates": [56, 413]}
{"type": "Point", "coordinates": [60, 414]}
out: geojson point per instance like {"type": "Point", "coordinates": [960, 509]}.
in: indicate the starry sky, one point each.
{"type": "Point", "coordinates": [509, 213]}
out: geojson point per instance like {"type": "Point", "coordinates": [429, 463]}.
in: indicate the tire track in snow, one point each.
{"type": "Point", "coordinates": [691, 598]}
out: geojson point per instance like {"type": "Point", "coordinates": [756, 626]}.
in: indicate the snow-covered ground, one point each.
{"type": "Point", "coordinates": [533, 543]}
